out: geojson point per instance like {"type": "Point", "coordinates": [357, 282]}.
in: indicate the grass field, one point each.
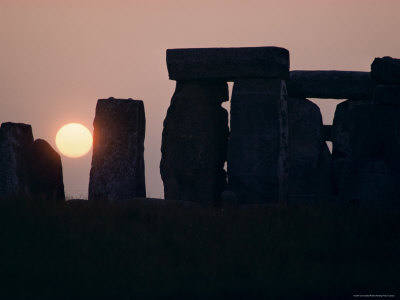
{"type": "Point", "coordinates": [135, 251]}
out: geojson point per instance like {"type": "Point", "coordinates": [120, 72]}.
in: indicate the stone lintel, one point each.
{"type": "Point", "coordinates": [228, 63]}
{"type": "Point", "coordinates": [330, 85]}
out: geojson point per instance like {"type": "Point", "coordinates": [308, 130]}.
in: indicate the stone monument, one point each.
{"type": "Point", "coordinates": [117, 172]}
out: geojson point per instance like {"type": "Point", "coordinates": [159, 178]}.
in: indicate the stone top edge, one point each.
{"type": "Point", "coordinates": [119, 99]}
{"type": "Point", "coordinates": [6, 124]}
{"type": "Point", "coordinates": [386, 58]}
{"type": "Point", "coordinates": [328, 71]}
{"type": "Point", "coordinates": [228, 49]}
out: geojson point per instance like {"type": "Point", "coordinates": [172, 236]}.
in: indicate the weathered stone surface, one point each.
{"type": "Point", "coordinates": [117, 173]}
{"type": "Point", "coordinates": [194, 142]}
{"type": "Point", "coordinates": [228, 63]}
{"type": "Point", "coordinates": [258, 146]}
{"type": "Point", "coordinates": [330, 85]}
{"type": "Point", "coordinates": [15, 144]}
{"type": "Point", "coordinates": [386, 70]}
{"type": "Point", "coordinates": [46, 172]}
{"type": "Point", "coordinates": [387, 94]}
{"type": "Point", "coordinates": [368, 162]}
{"type": "Point", "coordinates": [310, 159]}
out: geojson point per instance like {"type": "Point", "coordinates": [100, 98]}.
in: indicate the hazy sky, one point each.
{"type": "Point", "coordinates": [58, 57]}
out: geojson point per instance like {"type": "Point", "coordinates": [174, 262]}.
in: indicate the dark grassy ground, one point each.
{"type": "Point", "coordinates": [139, 251]}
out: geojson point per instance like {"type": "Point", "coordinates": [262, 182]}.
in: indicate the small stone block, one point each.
{"type": "Point", "coordinates": [386, 70]}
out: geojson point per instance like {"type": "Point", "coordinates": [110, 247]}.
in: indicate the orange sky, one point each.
{"type": "Point", "coordinates": [58, 57]}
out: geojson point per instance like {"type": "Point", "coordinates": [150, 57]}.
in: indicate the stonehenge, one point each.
{"type": "Point", "coordinates": [28, 168]}
{"type": "Point", "coordinates": [117, 171]}
{"type": "Point", "coordinates": [277, 149]}
{"type": "Point", "coordinates": [270, 148]}
{"type": "Point", "coordinates": [257, 155]}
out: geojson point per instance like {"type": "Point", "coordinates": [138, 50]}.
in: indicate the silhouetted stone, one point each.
{"type": "Point", "coordinates": [370, 170]}
{"type": "Point", "coordinates": [194, 142]}
{"type": "Point", "coordinates": [46, 172]}
{"type": "Point", "coordinates": [330, 85]}
{"type": "Point", "coordinates": [258, 145]}
{"type": "Point", "coordinates": [386, 70]}
{"type": "Point", "coordinates": [228, 63]}
{"type": "Point", "coordinates": [387, 94]}
{"type": "Point", "coordinates": [15, 144]}
{"type": "Point", "coordinates": [341, 147]}
{"type": "Point", "coordinates": [117, 172]}
{"type": "Point", "coordinates": [228, 198]}
{"type": "Point", "coordinates": [310, 159]}
{"type": "Point", "coordinates": [327, 133]}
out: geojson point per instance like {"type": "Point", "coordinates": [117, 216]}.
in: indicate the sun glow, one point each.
{"type": "Point", "coordinates": [74, 140]}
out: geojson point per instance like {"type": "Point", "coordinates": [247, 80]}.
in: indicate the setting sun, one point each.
{"type": "Point", "coordinates": [74, 140]}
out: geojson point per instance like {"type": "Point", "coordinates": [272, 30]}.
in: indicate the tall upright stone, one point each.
{"type": "Point", "coordinates": [310, 159]}
{"type": "Point", "coordinates": [342, 131]}
{"type": "Point", "coordinates": [117, 172]}
{"type": "Point", "coordinates": [371, 176]}
{"type": "Point", "coordinates": [46, 172]}
{"type": "Point", "coordinates": [15, 145]}
{"type": "Point", "coordinates": [194, 142]}
{"type": "Point", "coordinates": [258, 144]}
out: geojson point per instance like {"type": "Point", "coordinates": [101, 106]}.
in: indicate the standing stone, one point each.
{"type": "Point", "coordinates": [194, 142]}
{"type": "Point", "coordinates": [310, 159]}
{"type": "Point", "coordinates": [258, 162]}
{"type": "Point", "coordinates": [370, 175]}
{"type": "Point", "coordinates": [341, 147]}
{"type": "Point", "coordinates": [15, 145]}
{"type": "Point", "coordinates": [46, 172]}
{"type": "Point", "coordinates": [117, 172]}
{"type": "Point", "coordinates": [386, 70]}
